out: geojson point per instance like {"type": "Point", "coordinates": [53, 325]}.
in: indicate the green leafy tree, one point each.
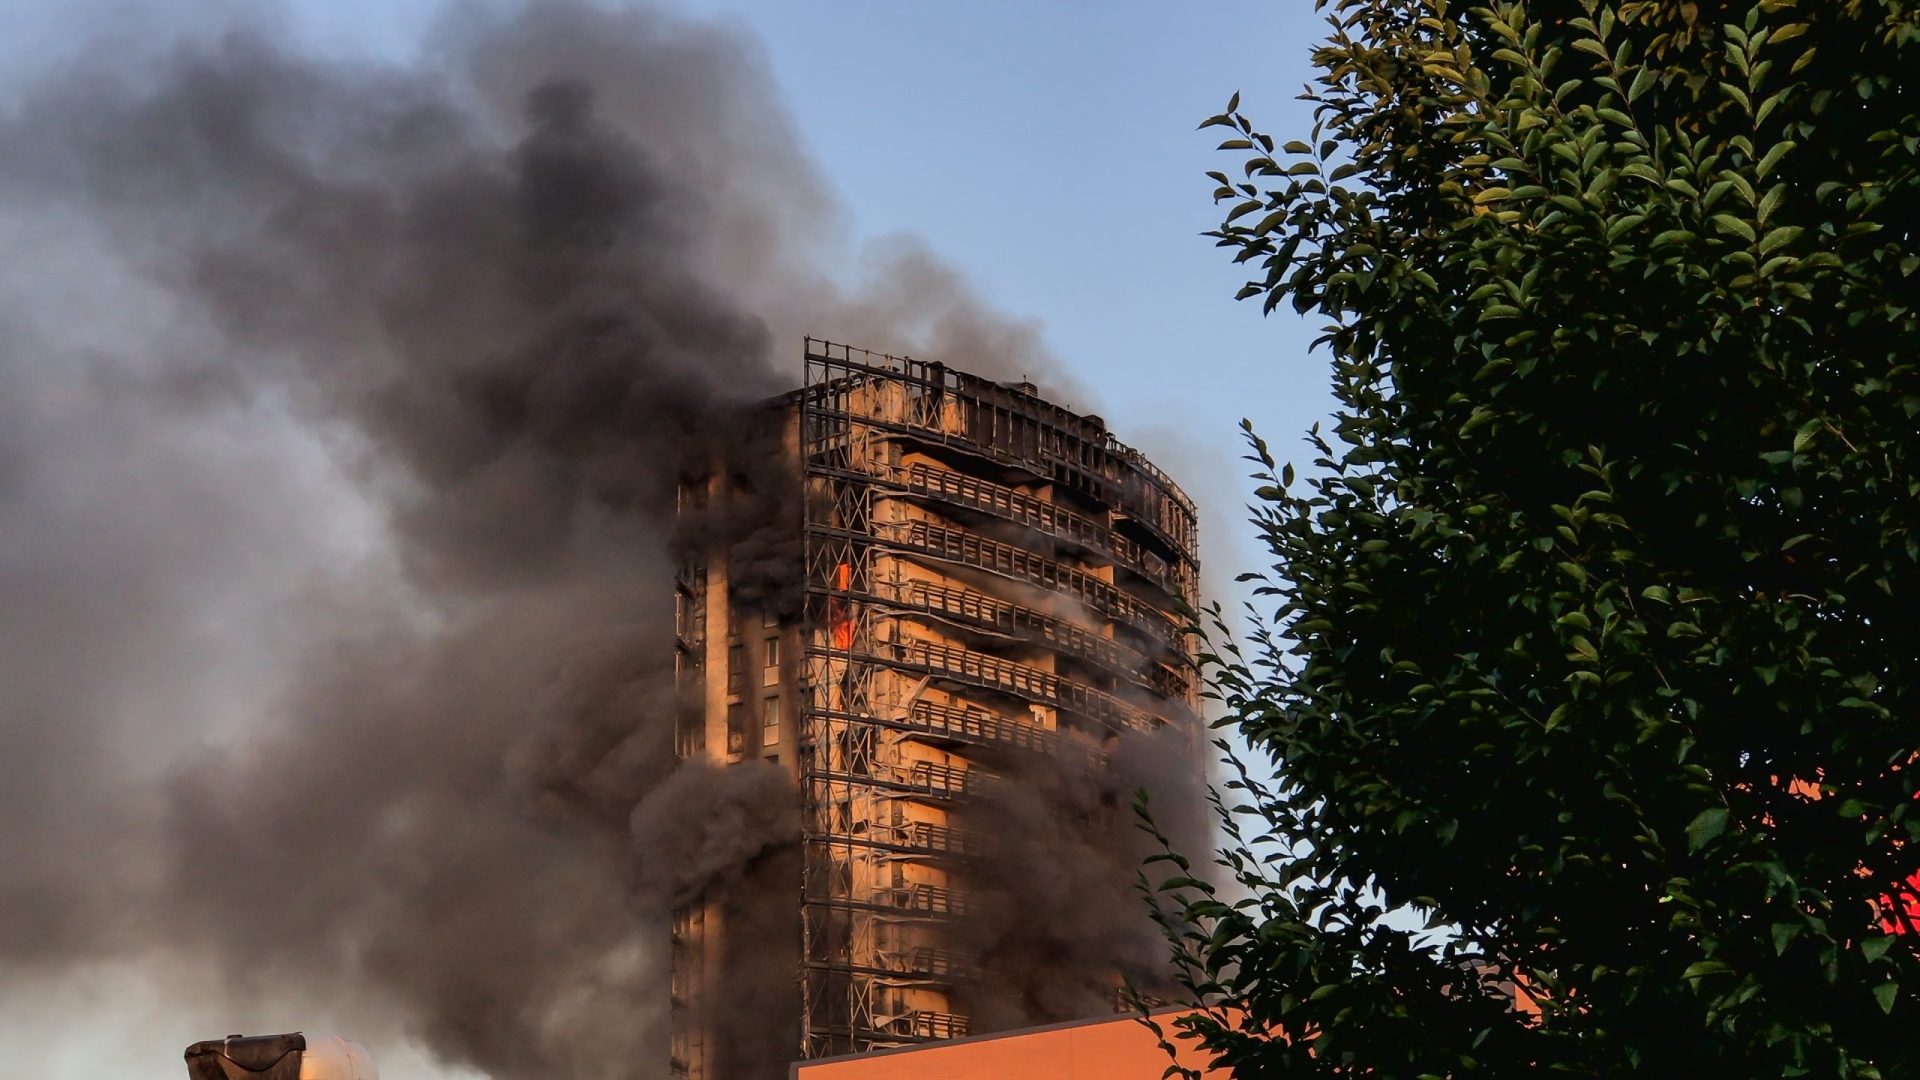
{"type": "Point", "coordinates": [1596, 622]}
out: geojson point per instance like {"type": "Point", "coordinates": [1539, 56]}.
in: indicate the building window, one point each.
{"type": "Point", "coordinates": [770, 675]}
{"type": "Point", "coordinates": [736, 728]}
{"type": "Point", "coordinates": [769, 618]}
{"type": "Point", "coordinates": [736, 668]}
{"type": "Point", "coordinates": [690, 734]}
{"type": "Point", "coordinates": [770, 721]}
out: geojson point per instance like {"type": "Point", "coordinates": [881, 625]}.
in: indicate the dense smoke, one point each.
{"type": "Point", "coordinates": [1059, 836]}
{"type": "Point", "coordinates": [755, 517]}
{"type": "Point", "coordinates": [343, 405]}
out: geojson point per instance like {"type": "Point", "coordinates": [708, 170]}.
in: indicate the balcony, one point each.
{"type": "Point", "coordinates": [978, 727]}
{"type": "Point", "coordinates": [929, 1026]}
{"type": "Point", "coordinates": [926, 900]}
{"type": "Point", "coordinates": [999, 423]}
{"type": "Point", "coordinates": [985, 497]}
{"type": "Point", "coordinates": [1007, 560]}
{"type": "Point", "coordinates": [925, 837]}
{"type": "Point", "coordinates": [1029, 684]}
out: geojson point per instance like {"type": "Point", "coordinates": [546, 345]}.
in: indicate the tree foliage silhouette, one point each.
{"type": "Point", "coordinates": [1596, 620]}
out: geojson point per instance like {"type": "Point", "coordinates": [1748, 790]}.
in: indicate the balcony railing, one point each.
{"type": "Point", "coordinates": [1014, 620]}
{"type": "Point", "coordinates": [927, 900]}
{"type": "Point", "coordinates": [978, 726]}
{"type": "Point", "coordinates": [948, 781]}
{"type": "Point", "coordinates": [1008, 560]}
{"type": "Point", "coordinates": [920, 778]}
{"type": "Point", "coordinates": [932, 963]}
{"type": "Point", "coordinates": [932, 839]}
{"type": "Point", "coordinates": [1019, 680]}
{"type": "Point", "coordinates": [927, 1025]}
{"type": "Point", "coordinates": [1005, 424]}
{"type": "Point", "coordinates": [966, 726]}
{"type": "Point", "coordinates": [1042, 516]}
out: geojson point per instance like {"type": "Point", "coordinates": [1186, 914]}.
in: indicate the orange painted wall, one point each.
{"type": "Point", "coordinates": [1117, 1049]}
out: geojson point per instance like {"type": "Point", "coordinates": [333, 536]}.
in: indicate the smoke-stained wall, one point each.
{"type": "Point", "coordinates": [341, 408]}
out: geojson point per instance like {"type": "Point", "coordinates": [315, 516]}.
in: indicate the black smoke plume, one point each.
{"type": "Point", "coordinates": [340, 410]}
{"type": "Point", "coordinates": [1059, 837]}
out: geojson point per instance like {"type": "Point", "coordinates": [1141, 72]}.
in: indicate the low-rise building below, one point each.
{"type": "Point", "coordinates": [1107, 1048]}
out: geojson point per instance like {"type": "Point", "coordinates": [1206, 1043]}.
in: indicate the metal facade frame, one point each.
{"type": "Point", "coordinates": [861, 699]}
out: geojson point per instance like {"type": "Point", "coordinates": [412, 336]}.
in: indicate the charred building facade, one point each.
{"type": "Point", "coordinates": [977, 580]}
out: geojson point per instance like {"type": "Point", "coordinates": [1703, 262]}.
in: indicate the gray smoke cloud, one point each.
{"type": "Point", "coordinates": [342, 409]}
{"type": "Point", "coordinates": [342, 406]}
{"type": "Point", "coordinates": [1052, 915]}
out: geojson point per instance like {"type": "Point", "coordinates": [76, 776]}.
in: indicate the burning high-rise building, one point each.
{"type": "Point", "coordinates": [959, 631]}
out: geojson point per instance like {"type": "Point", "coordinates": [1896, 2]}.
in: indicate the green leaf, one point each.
{"type": "Point", "coordinates": [1618, 226]}
{"type": "Point", "coordinates": [1773, 156]}
{"type": "Point", "coordinates": [1767, 105]}
{"type": "Point", "coordinates": [1727, 223]}
{"type": "Point", "coordinates": [1875, 947]}
{"type": "Point", "coordinates": [1885, 994]}
{"type": "Point", "coordinates": [1641, 83]}
{"type": "Point", "coordinates": [1785, 234]}
{"type": "Point", "coordinates": [1706, 827]}
{"type": "Point", "coordinates": [1803, 438]}
{"type": "Point", "coordinates": [1783, 935]}
{"type": "Point", "coordinates": [1771, 201]}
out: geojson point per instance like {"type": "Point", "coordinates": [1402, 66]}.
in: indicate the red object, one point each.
{"type": "Point", "coordinates": [1905, 902]}
{"type": "Point", "coordinates": [839, 620]}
